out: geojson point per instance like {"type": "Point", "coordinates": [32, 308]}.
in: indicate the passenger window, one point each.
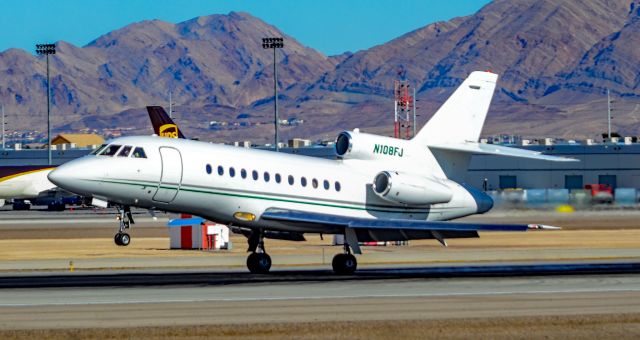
{"type": "Point", "coordinates": [99, 149]}
{"type": "Point", "coordinates": [208, 168]}
{"type": "Point", "coordinates": [278, 178]}
{"type": "Point", "coordinates": [326, 185]}
{"type": "Point", "coordinates": [232, 172]}
{"type": "Point", "coordinates": [337, 186]}
{"type": "Point", "coordinates": [291, 180]}
{"type": "Point", "coordinates": [303, 181]}
{"type": "Point", "coordinates": [110, 150]}
{"type": "Point", "coordinates": [220, 170]}
{"type": "Point", "coordinates": [125, 151]}
{"type": "Point", "coordinates": [139, 153]}
{"type": "Point", "coordinates": [314, 182]}
{"type": "Point", "coordinates": [266, 176]}
{"type": "Point", "coordinates": [254, 174]}
{"type": "Point", "coordinates": [243, 173]}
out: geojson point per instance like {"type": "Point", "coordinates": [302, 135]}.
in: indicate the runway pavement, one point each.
{"type": "Point", "coordinates": [310, 296]}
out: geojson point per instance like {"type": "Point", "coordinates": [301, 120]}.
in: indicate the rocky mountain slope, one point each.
{"type": "Point", "coordinates": [555, 59]}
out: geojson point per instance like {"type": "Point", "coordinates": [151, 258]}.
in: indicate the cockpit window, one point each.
{"type": "Point", "coordinates": [126, 150]}
{"type": "Point", "coordinates": [139, 153]}
{"type": "Point", "coordinates": [97, 150]}
{"type": "Point", "coordinates": [110, 150]}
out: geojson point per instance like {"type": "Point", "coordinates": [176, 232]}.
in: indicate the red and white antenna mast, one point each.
{"type": "Point", "coordinates": [404, 109]}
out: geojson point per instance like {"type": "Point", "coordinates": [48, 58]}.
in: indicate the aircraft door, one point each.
{"type": "Point", "coordinates": [171, 176]}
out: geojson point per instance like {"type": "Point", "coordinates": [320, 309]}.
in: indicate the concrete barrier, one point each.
{"type": "Point", "coordinates": [558, 196]}
{"type": "Point", "coordinates": [536, 197]}
{"type": "Point", "coordinates": [625, 196]}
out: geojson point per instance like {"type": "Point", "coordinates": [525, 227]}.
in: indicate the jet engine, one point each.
{"type": "Point", "coordinates": [357, 145]}
{"type": "Point", "coordinates": [404, 188]}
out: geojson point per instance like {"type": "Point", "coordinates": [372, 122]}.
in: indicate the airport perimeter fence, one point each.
{"type": "Point", "coordinates": [553, 198]}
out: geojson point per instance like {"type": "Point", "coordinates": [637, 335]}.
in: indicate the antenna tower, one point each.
{"type": "Point", "coordinates": [404, 110]}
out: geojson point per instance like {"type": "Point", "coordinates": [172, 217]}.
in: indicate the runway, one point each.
{"type": "Point", "coordinates": [294, 297]}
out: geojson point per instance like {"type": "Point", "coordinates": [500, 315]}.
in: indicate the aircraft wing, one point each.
{"type": "Point", "coordinates": [499, 150]}
{"type": "Point", "coordinates": [366, 230]}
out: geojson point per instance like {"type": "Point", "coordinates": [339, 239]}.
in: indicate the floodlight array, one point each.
{"type": "Point", "coordinates": [44, 49]}
{"type": "Point", "coordinates": [272, 43]}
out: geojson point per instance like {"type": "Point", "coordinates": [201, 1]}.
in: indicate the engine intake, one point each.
{"type": "Point", "coordinates": [410, 189]}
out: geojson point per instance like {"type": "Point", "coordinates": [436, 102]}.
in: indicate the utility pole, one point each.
{"type": "Point", "coordinates": [608, 115]}
{"type": "Point", "coordinates": [274, 43]}
{"type": "Point", "coordinates": [47, 49]}
{"type": "Point", "coordinates": [3, 135]}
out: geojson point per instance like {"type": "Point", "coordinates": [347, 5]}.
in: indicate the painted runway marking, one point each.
{"type": "Point", "coordinates": [299, 298]}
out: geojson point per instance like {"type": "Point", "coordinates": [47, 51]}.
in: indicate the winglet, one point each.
{"type": "Point", "coordinates": [542, 227]}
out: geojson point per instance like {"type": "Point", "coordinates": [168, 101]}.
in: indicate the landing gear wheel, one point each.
{"type": "Point", "coordinates": [125, 239]}
{"type": "Point", "coordinates": [344, 264]}
{"type": "Point", "coordinates": [122, 239]}
{"type": "Point", "coordinates": [126, 219]}
{"type": "Point", "coordinates": [259, 263]}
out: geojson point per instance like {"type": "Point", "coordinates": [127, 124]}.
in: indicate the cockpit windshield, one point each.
{"type": "Point", "coordinates": [139, 153]}
{"type": "Point", "coordinates": [110, 150]}
{"type": "Point", "coordinates": [125, 151]}
{"type": "Point", "coordinates": [98, 150]}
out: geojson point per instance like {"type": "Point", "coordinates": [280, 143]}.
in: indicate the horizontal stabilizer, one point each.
{"type": "Point", "coordinates": [498, 150]}
{"type": "Point", "coordinates": [182, 222]}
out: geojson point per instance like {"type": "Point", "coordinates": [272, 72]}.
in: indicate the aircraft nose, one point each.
{"type": "Point", "coordinates": [60, 176]}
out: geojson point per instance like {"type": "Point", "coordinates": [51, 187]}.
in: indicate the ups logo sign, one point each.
{"type": "Point", "coordinates": [169, 130]}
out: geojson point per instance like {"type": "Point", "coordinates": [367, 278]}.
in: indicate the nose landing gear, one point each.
{"type": "Point", "coordinates": [126, 219]}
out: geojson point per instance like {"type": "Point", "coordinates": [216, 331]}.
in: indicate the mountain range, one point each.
{"type": "Point", "coordinates": [556, 59]}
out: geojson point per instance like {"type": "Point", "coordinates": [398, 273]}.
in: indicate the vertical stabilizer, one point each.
{"type": "Point", "coordinates": [163, 125]}
{"type": "Point", "coordinates": [461, 117]}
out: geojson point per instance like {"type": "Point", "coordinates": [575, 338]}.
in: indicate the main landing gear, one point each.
{"type": "Point", "coordinates": [345, 263]}
{"type": "Point", "coordinates": [125, 218]}
{"type": "Point", "coordinates": [258, 262]}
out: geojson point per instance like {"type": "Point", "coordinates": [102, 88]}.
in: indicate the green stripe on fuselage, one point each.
{"type": "Point", "coordinates": [246, 194]}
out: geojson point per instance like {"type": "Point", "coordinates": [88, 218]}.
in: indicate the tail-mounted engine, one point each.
{"type": "Point", "coordinates": [410, 189]}
{"type": "Point", "coordinates": [357, 145]}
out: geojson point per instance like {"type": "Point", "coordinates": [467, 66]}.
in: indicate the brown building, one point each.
{"type": "Point", "coordinates": [80, 140]}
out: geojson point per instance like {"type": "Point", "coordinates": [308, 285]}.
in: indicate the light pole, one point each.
{"type": "Point", "coordinates": [3, 144]}
{"type": "Point", "coordinates": [274, 43]}
{"type": "Point", "coordinates": [47, 49]}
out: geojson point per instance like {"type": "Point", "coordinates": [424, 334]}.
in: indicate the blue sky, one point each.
{"type": "Point", "coordinates": [330, 26]}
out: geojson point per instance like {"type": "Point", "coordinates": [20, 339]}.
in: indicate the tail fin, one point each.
{"type": "Point", "coordinates": [163, 125]}
{"type": "Point", "coordinates": [461, 117]}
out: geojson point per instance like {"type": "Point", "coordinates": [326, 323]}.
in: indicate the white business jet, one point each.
{"type": "Point", "coordinates": [379, 188]}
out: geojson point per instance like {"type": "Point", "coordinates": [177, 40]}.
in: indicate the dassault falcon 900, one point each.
{"type": "Point", "coordinates": [378, 188]}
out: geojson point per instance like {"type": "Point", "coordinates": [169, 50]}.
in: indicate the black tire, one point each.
{"type": "Point", "coordinates": [259, 263]}
{"type": "Point", "coordinates": [125, 239]}
{"type": "Point", "coordinates": [21, 206]}
{"type": "Point", "coordinates": [344, 264]}
{"type": "Point", "coordinates": [117, 238]}
{"type": "Point", "coordinates": [336, 263]}
{"type": "Point", "coordinates": [251, 262]}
